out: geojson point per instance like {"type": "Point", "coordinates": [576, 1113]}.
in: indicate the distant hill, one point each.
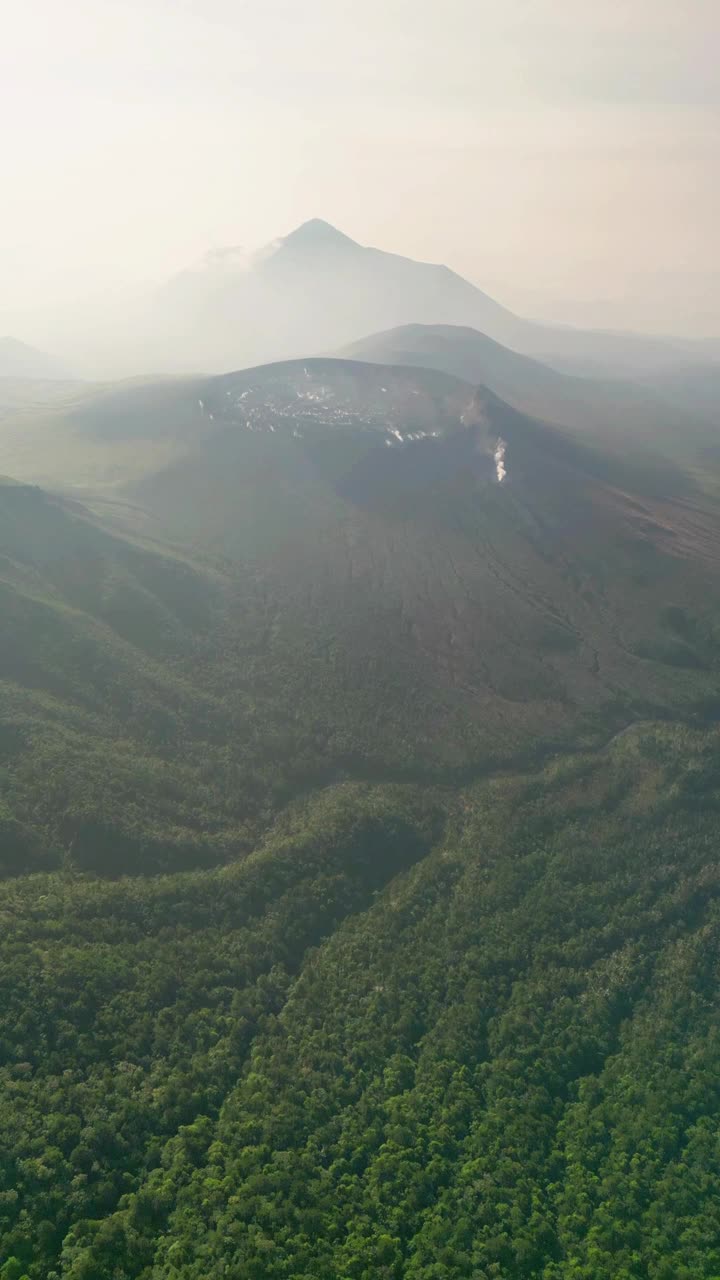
{"type": "Point", "coordinates": [18, 360]}
{"type": "Point", "coordinates": [316, 289]}
{"type": "Point", "coordinates": [464, 352]}
{"type": "Point", "coordinates": [674, 412]}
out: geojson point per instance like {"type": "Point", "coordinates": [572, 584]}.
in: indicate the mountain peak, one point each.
{"type": "Point", "coordinates": [317, 232]}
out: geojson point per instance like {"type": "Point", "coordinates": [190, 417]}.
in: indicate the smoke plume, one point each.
{"type": "Point", "coordinates": [499, 457]}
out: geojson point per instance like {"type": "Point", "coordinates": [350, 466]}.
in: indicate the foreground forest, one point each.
{"type": "Point", "coordinates": [421, 1033]}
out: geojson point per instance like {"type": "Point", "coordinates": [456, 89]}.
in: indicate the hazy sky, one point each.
{"type": "Point", "coordinates": [564, 154]}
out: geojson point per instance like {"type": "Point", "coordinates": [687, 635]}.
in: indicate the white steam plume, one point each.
{"type": "Point", "coordinates": [499, 457]}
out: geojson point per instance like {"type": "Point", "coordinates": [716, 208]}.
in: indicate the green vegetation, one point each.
{"type": "Point", "coordinates": [358, 840]}
{"type": "Point", "coordinates": [427, 1035]}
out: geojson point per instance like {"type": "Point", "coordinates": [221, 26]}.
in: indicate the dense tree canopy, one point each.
{"type": "Point", "coordinates": [417, 1034]}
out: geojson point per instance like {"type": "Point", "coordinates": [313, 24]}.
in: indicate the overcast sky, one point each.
{"type": "Point", "coordinates": [564, 154]}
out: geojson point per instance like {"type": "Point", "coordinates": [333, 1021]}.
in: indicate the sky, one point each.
{"type": "Point", "coordinates": [562, 154]}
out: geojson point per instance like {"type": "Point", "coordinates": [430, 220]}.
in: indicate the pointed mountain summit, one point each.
{"type": "Point", "coordinates": [316, 233]}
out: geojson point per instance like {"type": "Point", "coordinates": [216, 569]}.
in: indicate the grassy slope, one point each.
{"type": "Point", "coordinates": [87, 436]}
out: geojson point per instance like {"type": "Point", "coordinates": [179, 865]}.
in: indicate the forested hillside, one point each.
{"type": "Point", "coordinates": [426, 1035]}
{"type": "Point", "coordinates": [359, 793]}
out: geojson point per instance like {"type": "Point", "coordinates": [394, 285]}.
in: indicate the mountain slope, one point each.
{"type": "Point", "coordinates": [131, 737]}
{"type": "Point", "coordinates": [372, 492]}
{"type": "Point", "coordinates": [380, 607]}
{"type": "Point", "coordinates": [95, 436]}
{"type": "Point", "coordinates": [462, 352]}
{"type": "Point", "coordinates": [372, 925]}
{"type": "Point", "coordinates": [317, 289]}
{"type": "Point", "coordinates": [672, 413]}
{"type": "Point", "coordinates": [18, 360]}
{"type": "Point", "coordinates": [367, 495]}
{"type": "Point", "coordinates": [505, 1067]}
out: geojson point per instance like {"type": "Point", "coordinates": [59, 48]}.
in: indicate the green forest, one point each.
{"type": "Point", "coordinates": [431, 1033]}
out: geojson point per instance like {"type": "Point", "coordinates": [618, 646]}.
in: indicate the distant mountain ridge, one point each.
{"type": "Point", "coordinates": [316, 289]}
